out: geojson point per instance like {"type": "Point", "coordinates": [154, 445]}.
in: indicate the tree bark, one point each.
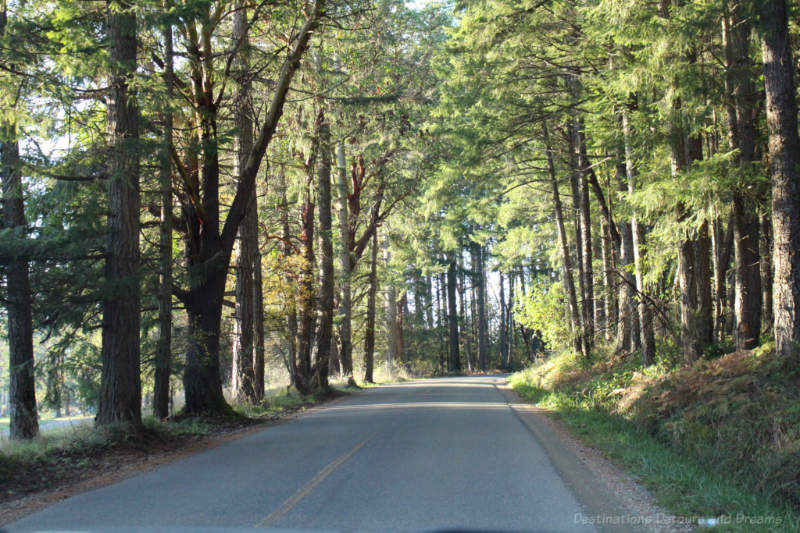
{"type": "Point", "coordinates": [22, 387]}
{"type": "Point", "coordinates": [454, 361]}
{"type": "Point", "coordinates": [740, 106]}
{"type": "Point", "coordinates": [305, 296]}
{"type": "Point", "coordinates": [705, 308]}
{"type": "Point", "coordinates": [480, 283]}
{"type": "Point", "coordinates": [243, 371]}
{"type": "Point", "coordinates": [747, 298]}
{"type": "Point", "coordinates": [326, 281]}
{"type": "Point", "coordinates": [164, 350]}
{"type": "Point", "coordinates": [391, 311]}
{"type": "Point", "coordinates": [120, 383]}
{"type": "Point", "coordinates": [369, 335]}
{"type": "Point", "coordinates": [784, 151]}
{"type": "Point", "coordinates": [345, 305]}
{"type": "Point", "coordinates": [503, 341]}
{"type": "Point", "coordinates": [288, 251]}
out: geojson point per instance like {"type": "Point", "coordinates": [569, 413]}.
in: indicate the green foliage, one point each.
{"type": "Point", "coordinates": [544, 309]}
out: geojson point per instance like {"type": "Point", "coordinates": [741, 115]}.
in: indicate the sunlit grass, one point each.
{"type": "Point", "coordinates": [683, 483]}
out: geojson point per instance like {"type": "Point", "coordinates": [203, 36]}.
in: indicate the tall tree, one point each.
{"type": "Point", "coordinates": [784, 151]}
{"type": "Point", "coordinates": [121, 389]}
{"type": "Point", "coordinates": [164, 351]}
{"type": "Point", "coordinates": [22, 387]}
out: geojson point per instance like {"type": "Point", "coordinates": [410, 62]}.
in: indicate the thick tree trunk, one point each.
{"type": "Point", "coordinates": [208, 248]}
{"type": "Point", "coordinates": [454, 361]}
{"type": "Point", "coordinates": [740, 106]}
{"type": "Point", "coordinates": [705, 309]}
{"type": "Point", "coordinates": [369, 335]}
{"type": "Point", "coordinates": [326, 281]}
{"type": "Point", "coordinates": [243, 376]}
{"type": "Point", "coordinates": [22, 388]}
{"type": "Point", "coordinates": [345, 305]}
{"type": "Point", "coordinates": [566, 262]}
{"type": "Point", "coordinates": [648, 343]}
{"type": "Point", "coordinates": [120, 383]}
{"type": "Point", "coordinates": [747, 298]}
{"type": "Point", "coordinates": [164, 350]}
{"type": "Point", "coordinates": [784, 151]}
{"type": "Point", "coordinates": [305, 297]}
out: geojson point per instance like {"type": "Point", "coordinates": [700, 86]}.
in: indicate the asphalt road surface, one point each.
{"type": "Point", "coordinates": [433, 454]}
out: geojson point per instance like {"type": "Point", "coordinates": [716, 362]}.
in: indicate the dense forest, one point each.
{"type": "Point", "coordinates": [208, 200]}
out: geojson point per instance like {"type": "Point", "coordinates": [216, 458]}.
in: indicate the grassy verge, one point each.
{"type": "Point", "coordinates": [680, 445]}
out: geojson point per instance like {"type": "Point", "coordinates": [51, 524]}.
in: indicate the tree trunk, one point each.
{"type": "Point", "coordinates": [288, 251]}
{"type": "Point", "coordinates": [243, 376]}
{"type": "Point", "coordinates": [369, 335]}
{"type": "Point", "coordinates": [503, 325]}
{"type": "Point", "coordinates": [258, 324]}
{"type": "Point", "coordinates": [391, 311]}
{"type": "Point", "coordinates": [765, 252]}
{"type": "Point", "coordinates": [784, 151]}
{"type": "Point", "coordinates": [566, 262]}
{"type": "Point", "coordinates": [120, 385]}
{"type": "Point", "coordinates": [589, 307]}
{"type": "Point", "coordinates": [609, 293]}
{"type": "Point", "coordinates": [627, 283]}
{"type": "Point", "coordinates": [326, 281]}
{"type": "Point", "coordinates": [164, 350]}
{"type": "Point", "coordinates": [747, 298]}
{"type": "Point", "coordinates": [648, 342]}
{"type": "Point", "coordinates": [22, 388]}
{"type": "Point", "coordinates": [305, 297]}
{"type": "Point", "coordinates": [208, 248]}
{"type": "Point", "coordinates": [462, 311]}
{"type": "Point", "coordinates": [576, 212]}
{"type": "Point", "coordinates": [399, 340]}
{"type": "Point", "coordinates": [740, 106]}
{"type": "Point", "coordinates": [480, 283]}
{"type": "Point", "coordinates": [454, 362]}
{"type": "Point", "coordinates": [345, 305]}
{"type": "Point", "coordinates": [705, 309]}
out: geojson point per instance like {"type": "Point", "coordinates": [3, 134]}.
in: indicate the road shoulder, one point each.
{"type": "Point", "coordinates": [614, 502]}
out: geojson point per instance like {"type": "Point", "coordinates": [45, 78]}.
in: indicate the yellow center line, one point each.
{"type": "Point", "coordinates": [306, 489]}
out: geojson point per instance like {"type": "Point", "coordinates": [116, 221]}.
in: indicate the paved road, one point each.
{"type": "Point", "coordinates": [444, 453]}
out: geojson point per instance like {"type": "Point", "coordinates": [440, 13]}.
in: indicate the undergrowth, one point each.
{"type": "Point", "coordinates": [716, 438]}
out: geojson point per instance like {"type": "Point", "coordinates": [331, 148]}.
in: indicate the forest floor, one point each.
{"type": "Point", "coordinates": [717, 439]}
{"type": "Point", "coordinates": [58, 465]}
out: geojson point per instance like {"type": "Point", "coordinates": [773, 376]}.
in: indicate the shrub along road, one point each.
{"type": "Point", "coordinates": [443, 453]}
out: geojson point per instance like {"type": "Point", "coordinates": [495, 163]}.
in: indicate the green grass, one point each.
{"type": "Point", "coordinates": [681, 483]}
